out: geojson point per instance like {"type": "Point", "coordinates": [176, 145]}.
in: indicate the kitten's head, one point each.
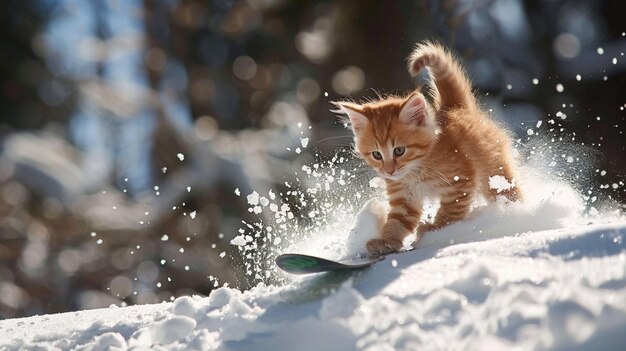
{"type": "Point", "coordinates": [393, 135]}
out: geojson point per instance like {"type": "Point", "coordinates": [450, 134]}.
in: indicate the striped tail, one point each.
{"type": "Point", "coordinates": [453, 89]}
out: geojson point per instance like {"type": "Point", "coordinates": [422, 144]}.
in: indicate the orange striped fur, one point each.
{"type": "Point", "coordinates": [448, 147]}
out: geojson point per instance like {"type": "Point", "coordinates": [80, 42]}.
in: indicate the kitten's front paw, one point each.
{"type": "Point", "coordinates": [378, 247]}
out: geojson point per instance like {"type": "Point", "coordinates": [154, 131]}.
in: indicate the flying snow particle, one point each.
{"type": "Point", "coordinates": [180, 156]}
{"type": "Point", "coordinates": [188, 189]}
{"type": "Point", "coordinates": [165, 237]}
{"type": "Point", "coordinates": [578, 77]}
{"type": "Point", "coordinates": [509, 87]}
{"type": "Point", "coordinates": [570, 159]}
{"type": "Point", "coordinates": [304, 142]}
{"type": "Point", "coordinates": [394, 263]}
{"type": "Point", "coordinates": [535, 81]}
{"type": "Point", "coordinates": [614, 60]}
{"type": "Point", "coordinates": [93, 234]}
{"type": "Point", "coordinates": [253, 199]}
{"type": "Point", "coordinates": [272, 195]}
{"type": "Point", "coordinates": [456, 178]}
{"type": "Point", "coordinates": [326, 94]}
{"type": "Point", "coordinates": [237, 192]}
{"type": "Point", "coordinates": [238, 241]}
{"type": "Point", "coordinates": [499, 183]}
{"type": "Point", "coordinates": [603, 173]}
{"type": "Point", "coordinates": [377, 183]}
{"type": "Point", "coordinates": [99, 241]}
{"type": "Point", "coordinates": [264, 201]}
{"type": "Point", "coordinates": [560, 88]}
{"type": "Point", "coordinates": [298, 150]}
{"type": "Point", "coordinates": [193, 215]}
{"type": "Point", "coordinates": [223, 254]}
{"type": "Point", "coordinates": [600, 51]}
{"type": "Point", "coordinates": [538, 124]}
{"type": "Point", "coordinates": [530, 132]}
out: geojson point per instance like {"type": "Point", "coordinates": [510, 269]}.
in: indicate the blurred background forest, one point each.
{"type": "Point", "coordinates": [126, 125]}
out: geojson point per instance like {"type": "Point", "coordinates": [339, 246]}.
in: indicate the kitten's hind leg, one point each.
{"type": "Point", "coordinates": [455, 206]}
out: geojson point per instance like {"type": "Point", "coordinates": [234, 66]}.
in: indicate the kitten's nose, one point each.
{"type": "Point", "coordinates": [390, 169]}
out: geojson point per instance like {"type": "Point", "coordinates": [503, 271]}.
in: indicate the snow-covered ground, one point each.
{"type": "Point", "coordinates": [560, 289]}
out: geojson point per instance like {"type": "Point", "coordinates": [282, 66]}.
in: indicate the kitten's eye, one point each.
{"type": "Point", "coordinates": [377, 155]}
{"type": "Point", "coordinates": [399, 151]}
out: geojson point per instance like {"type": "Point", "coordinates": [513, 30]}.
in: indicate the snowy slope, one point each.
{"type": "Point", "coordinates": [545, 274]}
{"type": "Point", "coordinates": [560, 289]}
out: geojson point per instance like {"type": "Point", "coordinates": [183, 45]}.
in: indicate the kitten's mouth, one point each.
{"type": "Point", "coordinates": [396, 176]}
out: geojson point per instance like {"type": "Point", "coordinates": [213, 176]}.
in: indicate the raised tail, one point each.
{"type": "Point", "coordinates": [453, 89]}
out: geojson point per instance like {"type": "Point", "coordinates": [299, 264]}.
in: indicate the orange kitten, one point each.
{"type": "Point", "coordinates": [449, 148]}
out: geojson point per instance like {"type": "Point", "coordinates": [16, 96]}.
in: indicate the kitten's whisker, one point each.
{"type": "Point", "coordinates": [429, 171]}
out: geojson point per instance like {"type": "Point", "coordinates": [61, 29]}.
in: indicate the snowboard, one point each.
{"type": "Point", "coordinates": [305, 264]}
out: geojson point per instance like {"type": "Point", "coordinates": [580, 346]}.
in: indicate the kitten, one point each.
{"type": "Point", "coordinates": [447, 146]}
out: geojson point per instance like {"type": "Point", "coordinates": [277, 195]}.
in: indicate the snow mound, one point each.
{"type": "Point", "coordinates": [561, 289]}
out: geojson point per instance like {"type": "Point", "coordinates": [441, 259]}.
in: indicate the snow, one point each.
{"type": "Point", "coordinates": [377, 182]}
{"type": "Point", "coordinates": [561, 289]}
{"type": "Point", "coordinates": [264, 201]}
{"type": "Point", "coordinates": [559, 88]}
{"type": "Point", "coordinates": [238, 240]}
{"type": "Point", "coordinates": [368, 223]}
{"type": "Point", "coordinates": [499, 183]}
{"type": "Point", "coordinates": [253, 199]}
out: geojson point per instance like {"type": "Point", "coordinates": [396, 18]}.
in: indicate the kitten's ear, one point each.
{"type": "Point", "coordinates": [414, 110]}
{"type": "Point", "coordinates": [354, 112]}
